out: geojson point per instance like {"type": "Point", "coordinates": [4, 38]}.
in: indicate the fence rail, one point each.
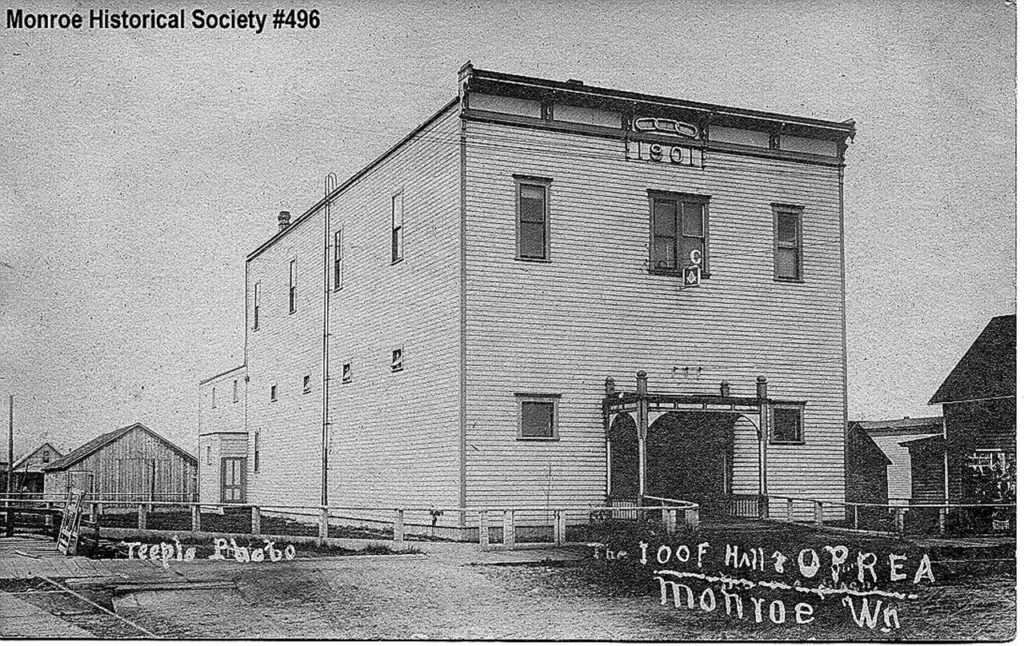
{"type": "Point", "coordinates": [501, 527]}
{"type": "Point", "coordinates": [905, 518]}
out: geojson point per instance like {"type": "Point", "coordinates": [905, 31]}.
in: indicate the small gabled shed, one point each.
{"type": "Point", "coordinates": [130, 464]}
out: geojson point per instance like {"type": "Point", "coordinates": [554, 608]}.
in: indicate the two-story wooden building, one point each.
{"type": "Point", "coordinates": [513, 316]}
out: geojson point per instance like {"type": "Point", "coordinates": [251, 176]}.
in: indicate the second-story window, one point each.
{"type": "Point", "coordinates": [397, 225]}
{"type": "Point", "coordinates": [337, 259]}
{"type": "Point", "coordinates": [532, 226]}
{"type": "Point", "coordinates": [293, 279]}
{"type": "Point", "coordinates": [679, 227]}
{"type": "Point", "coordinates": [256, 306]}
{"type": "Point", "coordinates": [788, 251]}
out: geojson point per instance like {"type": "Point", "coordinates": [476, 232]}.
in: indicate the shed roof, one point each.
{"type": "Point", "coordinates": [905, 426]}
{"type": "Point", "coordinates": [988, 369]}
{"type": "Point", "coordinates": [97, 443]}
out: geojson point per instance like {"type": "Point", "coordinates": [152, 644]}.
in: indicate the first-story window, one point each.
{"type": "Point", "coordinates": [788, 243]}
{"type": "Point", "coordinates": [538, 416]}
{"type": "Point", "coordinates": [532, 221]}
{"type": "Point", "coordinates": [679, 232]}
{"type": "Point", "coordinates": [273, 393]}
{"type": "Point", "coordinates": [256, 452]}
{"type": "Point", "coordinates": [787, 424]}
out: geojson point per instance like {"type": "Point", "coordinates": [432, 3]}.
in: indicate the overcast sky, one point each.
{"type": "Point", "coordinates": [138, 168]}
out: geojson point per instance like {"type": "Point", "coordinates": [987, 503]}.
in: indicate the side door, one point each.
{"type": "Point", "coordinates": [232, 480]}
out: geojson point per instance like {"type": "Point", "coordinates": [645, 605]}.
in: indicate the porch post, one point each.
{"type": "Point", "coordinates": [762, 450]}
{"type": "Point", "coordinates": [641, 429]}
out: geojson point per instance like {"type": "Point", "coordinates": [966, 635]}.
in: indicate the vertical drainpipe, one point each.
{"type": "Point", "coordinates": [762, 447]}
{"type": "Point", "coordinates": [641, 429]}
{"type": "Point", "coordinates": [329, 184]}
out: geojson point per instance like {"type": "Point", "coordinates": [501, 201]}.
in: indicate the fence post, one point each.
{"type": "Point", "coordinates": [899, 520]}
{"type": "Point", "coordinates": [559, 528]}
{"type": "Point", "coordinates": [399, 528]}
{"type": "Point", "coordinates": [942, 520]}
{"type": "Point", "coordinates": [322, 533]}
{"type": "Point", "coordinates": [142, 516]}
{"type": "Point", "coordinates": [508, 529]}
{"type": "Point", "coordinates": [255, 521]}
{"type": "Point", "coordinates": [196, 519]}
{"type": "Point", "coordinates": [485, 530]}
{"type": "Point", "coordinates": [819, 513]}
{"type": "Point", "coordinates": [789, 510]}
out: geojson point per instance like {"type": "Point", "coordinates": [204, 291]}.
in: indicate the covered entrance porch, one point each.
{"type": "Point", "coordinates": [703, 448]}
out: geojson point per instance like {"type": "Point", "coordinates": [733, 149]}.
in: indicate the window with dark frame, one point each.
{"type": "Point", "coordinates": [397, 224]}
{"type": "Point", "coordinates": [679, 226]}
{"type": "Point", "coordinates": [306, 387]}
{"type": "Point", "coordinates": [346, 373]}
{"type": "Point", "coordinates": [273, 393]}
{"type": "Point", "coordinates": [538, 416]}
{"type": "Point", "coordinates": [396, 360]}
{"type": "Point", "coordinates": [337, 260]}
{"type": "Point", "coordinates": [788, 234]}
{"type": "Point", "coordinates": [787, 425]}
{"type": "Point", "coordinates": [293, 279]}
{"type": "Point", "coordinates": [256, 452]}
{"type": "Point", "coordinates": [46, 457]}
{"type": "Point", "coordinates": [532, 221]}
{"type": "Point", "coordinates": [256, 306]}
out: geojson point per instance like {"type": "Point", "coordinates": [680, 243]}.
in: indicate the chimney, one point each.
{"type": "Point", "coordinates": [283, 220]}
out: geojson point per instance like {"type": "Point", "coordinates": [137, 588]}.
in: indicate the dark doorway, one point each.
{"type": "Point", "coordinates": [689, 457]}
{"type": "Point", "coordinates": [625, 460]}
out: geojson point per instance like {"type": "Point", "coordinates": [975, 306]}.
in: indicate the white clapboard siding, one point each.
{"type": "Point", "coordinates": [594, 311]}
{"type": "Point", "coordinates": [394, 436]}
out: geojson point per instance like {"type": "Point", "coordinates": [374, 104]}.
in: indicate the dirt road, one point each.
{"type": "Point", "coordinates": [397, 597]}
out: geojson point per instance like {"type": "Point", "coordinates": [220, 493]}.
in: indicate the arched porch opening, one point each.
{"type": "Point", "coordinates": [690, 457]}
{"type": "Point", "coordinates": [623, 459]}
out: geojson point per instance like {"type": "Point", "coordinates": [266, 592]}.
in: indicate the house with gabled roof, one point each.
{"type": "Point", "coordinates": [131, 463]}
{"type": "Point", "coordinates": [28, 469]}
{"type": "Point", "coordinates": [979, 411]}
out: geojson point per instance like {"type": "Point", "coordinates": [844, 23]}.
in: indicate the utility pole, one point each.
{"type": "Point", "coordinates": [330, 182]}
{"type": "Point", "coordinates": [10, 467]}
